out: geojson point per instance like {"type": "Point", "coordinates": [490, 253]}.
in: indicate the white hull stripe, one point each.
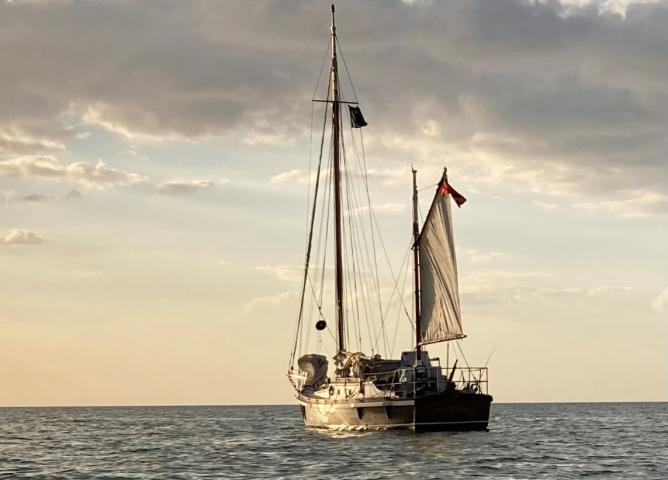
{"type": "Point", "coordinates": [386, 403]}
{"type": "Point", "coordinates": [392, 425]}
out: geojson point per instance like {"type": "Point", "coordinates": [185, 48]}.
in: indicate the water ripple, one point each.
{"type": "Point", "coordinates": [561, 441]}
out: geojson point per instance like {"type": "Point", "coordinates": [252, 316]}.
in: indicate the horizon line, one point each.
{"type": "Point", "coordinates": [291, 404]}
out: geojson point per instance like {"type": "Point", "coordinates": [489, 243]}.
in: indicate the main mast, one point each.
{"type": "Point", "coordinates": [336, 134]}
{"type": "Point", "coordinates": [416, 268]}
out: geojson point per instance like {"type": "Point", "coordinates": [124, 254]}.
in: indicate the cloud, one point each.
{"type": "Point", "coordinates": [20, 236]}
{"type": "Point", "coordinates": [13, 140]}
{"type": "Point", "coordinates": [85, 174]}
{"type": "Point", "coordinates": [475, 256]}
{"type": "Point", "coordinates": [563, 97]}
{"type": "Point", "coordinates": [34, 198]}
{"type": "Point", "coordinates": [295, 175]}
{"type": "Point", "coordinates": [183, 187]}
{"type": "Point", "coordinates": [74, 193]}
{"type": "Point", "coordinates": [286, 273]}
{"type": "Point", "coordinates": [494, 286]}
{"type": "Point", "coordinates": [660, 303]}
{"type": "Point", "coordinates": [395, 176]}
{"type": "Point", "coordinates": [101, 176]}
{"type": "Point", "coordinates": [40, 197]}
{"type": "Point", "coordinates": [637, 204]}
{"type": "Point", "coordinates": [389, 208]}
{"type": "Point", "coordinates": [545, 205]}
{"type": "Point", "coordinates": [606, 290]}
{"type": "Point", "coordinates": [270, 301]}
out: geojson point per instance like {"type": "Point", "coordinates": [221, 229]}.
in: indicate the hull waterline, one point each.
{"type": "Point", "coordinates": [444, 411]}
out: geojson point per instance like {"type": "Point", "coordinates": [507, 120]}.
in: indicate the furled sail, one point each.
{"type": "Point", "coordinates": [440, 317]}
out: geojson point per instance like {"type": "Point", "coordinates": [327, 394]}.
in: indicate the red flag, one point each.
{"type": "Point", "coordinates": [446, 189]}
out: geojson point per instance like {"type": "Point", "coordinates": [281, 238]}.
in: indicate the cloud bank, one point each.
{"type": "Point", "coordinates": [85, 174]}
{"type": "Point", "coordinates": [559, 97]}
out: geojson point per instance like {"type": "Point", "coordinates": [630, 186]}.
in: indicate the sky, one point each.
{"type": "Point", "coordinates": [153, 158]}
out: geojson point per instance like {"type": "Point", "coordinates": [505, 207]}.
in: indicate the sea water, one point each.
{"type": "Point", "coordinates": [605, 440]}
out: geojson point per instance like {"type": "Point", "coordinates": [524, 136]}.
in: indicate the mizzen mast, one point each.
{"type": "Point", "coordinates": [336, 135]}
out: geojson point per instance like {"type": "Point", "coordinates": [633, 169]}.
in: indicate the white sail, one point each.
{"type": "Point", "coordinates": [440, 317]}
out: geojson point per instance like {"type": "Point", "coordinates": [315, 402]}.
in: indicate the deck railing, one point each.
{"type": "Point", "coordinates": [469, 379]}
{"type": "Point", "coordinates": [469, 376]}
{"type": "Point", "coordinates": [403, 381]}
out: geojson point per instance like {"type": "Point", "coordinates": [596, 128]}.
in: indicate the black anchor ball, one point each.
{"type": "Point", "coordinates": [320, 325]}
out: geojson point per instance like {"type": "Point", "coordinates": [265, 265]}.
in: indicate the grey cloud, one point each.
{"type": "Point", "coordinates": [573, 96]}
{"type": "Point", "coordinates": [34, 198]}
{"type": "Point", "coordinates": [86, 174]}
{"type": "Point", "coordinates": [40, 197]}
{"type": "Point", "coordinates": [20, 236]}
{"type": "Point", "coordinates": [74, 193]}
{"type": "Point", "coordinates": [495, 286]}
{"type": "Point", "coordinates": [183, 187]}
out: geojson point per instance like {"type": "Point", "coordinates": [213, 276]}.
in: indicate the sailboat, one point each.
{"type": "Point", "coordinates": [365, 391]}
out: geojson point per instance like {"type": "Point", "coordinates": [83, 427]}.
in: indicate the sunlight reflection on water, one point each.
{"type": "Point", "coordinates": [524, 441]}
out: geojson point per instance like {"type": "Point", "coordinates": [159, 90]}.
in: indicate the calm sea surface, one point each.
{"type": "Point", "coordinates": [524, 441]}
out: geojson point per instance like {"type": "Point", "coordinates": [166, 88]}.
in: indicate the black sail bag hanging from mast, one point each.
{"type": "Point", "coordinates": [356, 117]}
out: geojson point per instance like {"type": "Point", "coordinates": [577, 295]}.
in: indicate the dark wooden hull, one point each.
{"type": "Point", "coordinates": [448, 411]}
{"type": "Point", "coordinates": [438, 411]}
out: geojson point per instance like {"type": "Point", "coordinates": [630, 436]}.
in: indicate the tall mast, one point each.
{"type": "Point", "coordinates": [336, 119]}
{"type": "Point", "coordinates": [416, 267]}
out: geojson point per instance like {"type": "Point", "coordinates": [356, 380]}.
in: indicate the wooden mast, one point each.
{"type": "Point", "coordinates": [416, 268]}
{"type": "Point", "coordinates": [336, 120]}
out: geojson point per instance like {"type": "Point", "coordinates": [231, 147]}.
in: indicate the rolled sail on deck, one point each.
{"type": "Point", "coordinates": [440, 316]}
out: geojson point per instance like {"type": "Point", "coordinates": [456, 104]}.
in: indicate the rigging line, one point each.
{"type": "Point", "coordinates": [401, 269]}
{"type": "Point", "coordinates": [353, 299]}
{"type": "Point", "coordinates": [354, 249]}
{"type": "Point", "coordinates": [403, 289]}
{"type": "Point", "coordinates": [396, 284]}
{"type": "Point", "coordinates": [315, 90]}
{"type": "Point", "coordinates": [373, 265]}
{"type": "Point", "coordinates": [310, 146]}
{"type": "Point", "coordinates": [373, 236]}
{"type": "Point", "coordinates": [322, 69]}
{"type": "Point", "coordinates": [389, 264]}
{"type": "Point", "coordinates": [397, 319]}
{"type": "Point", "coordinates": [308, 185]}
{"type": "Point", "coordinates": [325, 208]}
{"type": "Point", "coordinates": [364, 243]}
{"type": "Point", "coordinates": [315, 299]}
{"type": "Point", "coordinates": [462, 352]}
{"type": "Point", "coordinates": [333, 338]}
{"type": "Point", "coordinates": [490, 356]}
{"type": "Point", "coordinates": [304, 342]}
{"type": "Point", "coordinates": [325, 219]}
{"type": "Point", "coordinates": [345, 66]}
{"type": "Point", "coordinates": [353, 207]}
{"type": "Point", "coordinates": [352, 211]}
{"type": "Point", "coordinates": [310, 239]}
{"type": "Point", "coordinates": [429, 187]}
{"type": "Point", "coordinates": [346, 262]}
{"type": "Point", "coordinates": [372, 216]}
